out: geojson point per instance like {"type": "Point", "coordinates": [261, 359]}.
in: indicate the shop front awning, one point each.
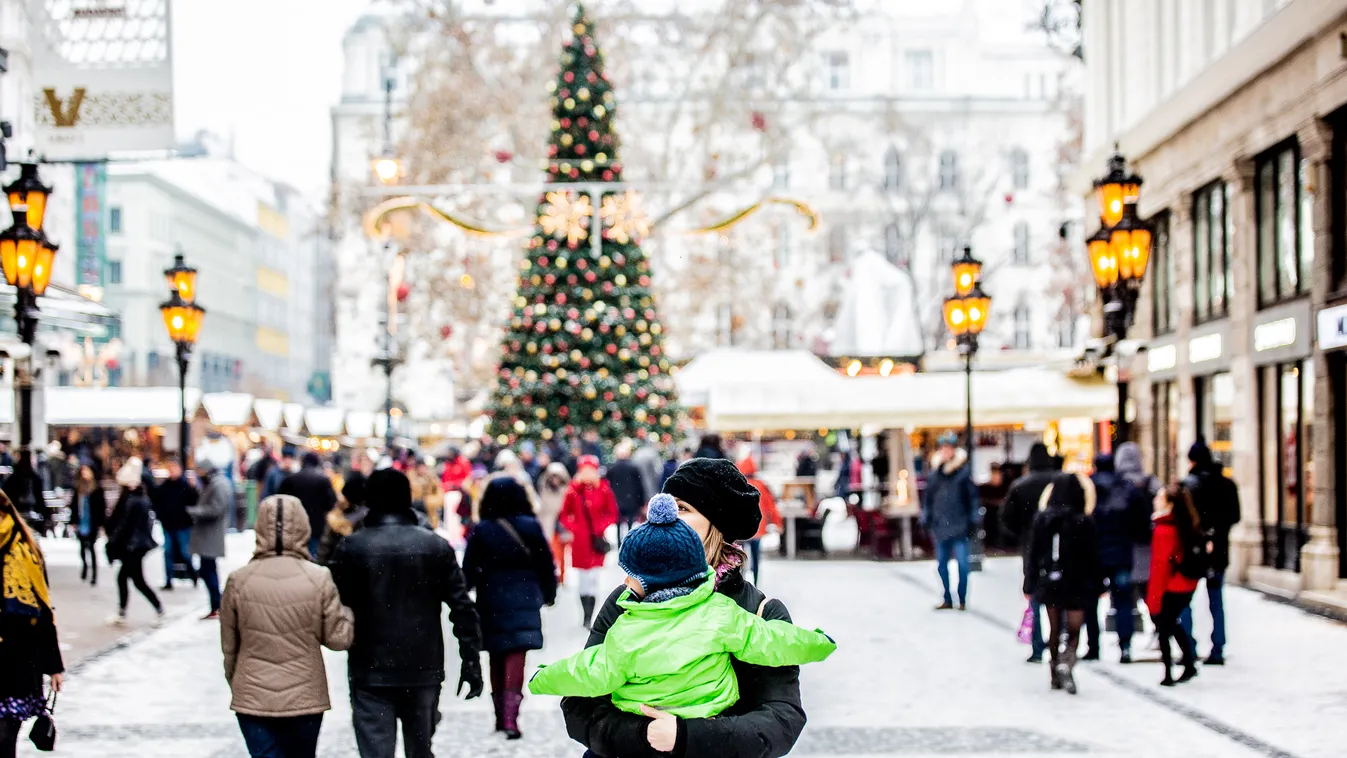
{"type": "Point", "coordinates": [229, 408]}
{"type": "Point", "coordinates": [269, 413]}
{"type": "Point", "coordinates": [922, 400]}
{"type": "Point", "coordinates": [117, 406]}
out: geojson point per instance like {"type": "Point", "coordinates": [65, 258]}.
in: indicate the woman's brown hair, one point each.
{"type": "Point", "coordinates": [719, 551]}
{"type": "Point", "coordinates": [1180, 500]}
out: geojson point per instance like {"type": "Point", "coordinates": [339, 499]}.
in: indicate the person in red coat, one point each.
{"type": "Point", "coordinates": [1169, 592]}
{"type": "Point", "coordinates": [588, 510]}
{"type": "Point", "coordinates": [771, 515]}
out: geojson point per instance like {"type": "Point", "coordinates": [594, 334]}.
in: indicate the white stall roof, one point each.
{"type": "Point", "coordinates": [269, 413]}
{"type": "Point", "coordinates": [228, 408]}
{"type": "Point", "coordinates": [360, 424]}
{"type": "Point", "coordinates": [117, 406]}
{"type": "Point", "coordinates": [325, 422]}
{"type": "Point", "coordinates": [747, 368]}
{"type": "Point", "coordinates": [294, 417]}
{"type": "Point", "coordinates": [1030, 395]}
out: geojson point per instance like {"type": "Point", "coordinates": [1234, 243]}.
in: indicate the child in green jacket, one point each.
{"type": "Point", "coordinates": [671, 648]}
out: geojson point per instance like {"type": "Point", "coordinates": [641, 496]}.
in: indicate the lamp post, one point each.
{"type": "Point", "coordinates": [966, 316]}
{"type": "Point", "coordinates": [182, 318]}
{"type": "Point", "coordinates": [387, 169]}
{"type": "Point", "coordinates": [26, 256]}
{"type": "Point", "coordinates": [1119, 253]}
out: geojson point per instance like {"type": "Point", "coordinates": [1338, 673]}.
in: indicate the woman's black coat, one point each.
{"type": "Point", "coordinates": [98, 507]}
{"type": "Point", "coordinates": [765, 723]}
{"type": "Point", "coordinates": [513, 584]}
{"type": "Point", "coordinates": [133, 532]}
{"type": "Point", "coordinates": [1081, 577]}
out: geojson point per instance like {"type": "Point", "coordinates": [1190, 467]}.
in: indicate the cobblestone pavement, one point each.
{"type": "Point", "coordinates": [906, 681]}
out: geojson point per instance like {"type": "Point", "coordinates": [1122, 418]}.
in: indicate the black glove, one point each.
{"type": "Point", "coordinates": [470, 675]}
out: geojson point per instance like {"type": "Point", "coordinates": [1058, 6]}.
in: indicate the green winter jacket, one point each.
{"type": "Point", "coordinates": [675, 655]}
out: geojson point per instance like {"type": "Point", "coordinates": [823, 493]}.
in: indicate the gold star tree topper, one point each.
{"type": "Point", "coordinates": [566, 215]}
{"type": "Point", "coordinates": [625, 217]}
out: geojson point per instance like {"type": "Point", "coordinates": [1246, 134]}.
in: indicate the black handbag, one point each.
{"type": "Point", "coordinates": [43, 734]}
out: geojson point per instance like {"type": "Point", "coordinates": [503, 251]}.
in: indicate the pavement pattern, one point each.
{"type": "Point", "coordinates": [905, 681]}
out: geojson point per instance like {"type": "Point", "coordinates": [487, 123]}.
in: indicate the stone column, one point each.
{"type": "Point", "coordinates": [1319, 557]}
{"type": "Point", "coordinates": [1246, 540]}
{"type": "Point", "coordinates": [1181, 247]}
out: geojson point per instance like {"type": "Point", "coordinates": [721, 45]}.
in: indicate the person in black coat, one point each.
{"type": "Point", "coordinates": [628, 489]}
{"type": "Point", "coordinates": [314, 490]}
{"type": "Point", "coordinates": [131, 539]}
{"type": "Point", "coordinates": [1064, 573]}
{"type": "Point", "coordinates": [170, 500]}
{"type": "Point", "coordinates": [89, 511]}
{"type": "Point", "coordinates": [1122, 519]}
{"type": "Point", "coordinates": [1216, 498]}
{"type": "Point", "coordinates": [509, 563]}
{"type": "Point", "coordinates": [396, 576]}
{"type": "Point", "coordinates": [1017, 517]}
{"type": "Point", "coordinates": [710, 447]}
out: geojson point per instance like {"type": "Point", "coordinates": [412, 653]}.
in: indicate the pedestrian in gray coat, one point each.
{"type": "Point", "coordinates": [210, 518]}
{"type": "Point", "coordinates": [950, 511]}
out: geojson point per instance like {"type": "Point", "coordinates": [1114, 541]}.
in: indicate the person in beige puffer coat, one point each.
{"type": "Point", "coordinates": [276, 615]}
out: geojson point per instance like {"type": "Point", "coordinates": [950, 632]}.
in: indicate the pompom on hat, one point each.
{"type": "Point", "coordinates": [664, 552]}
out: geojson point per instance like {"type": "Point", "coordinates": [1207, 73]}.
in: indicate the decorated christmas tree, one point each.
{"type": "Point", "coordinates": [583, 348]}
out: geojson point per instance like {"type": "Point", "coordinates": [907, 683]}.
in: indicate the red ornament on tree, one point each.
{"type": "Point", "coordinates": [593, 135]}
{"type": "Point", "coordinates": [404, 289]}
{"type": "Point", "coordinates": [607, 176]}
{"type": "Point", "coordinates": [561, 297]}
{"type": "Point", "coordinates": [580, 149]}
{"type": "Point", "coordinates": [589, 276]}
{"type": "Point", "coordinates": [446, 331]}
{"type": "Point", "coordinates": [565, 123]}
{"type": "Point", "coordinates": [568, 77]}
{"type": "Point", "coordinates": [759, 121]}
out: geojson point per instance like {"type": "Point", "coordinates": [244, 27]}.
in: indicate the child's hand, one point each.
{"type": "Point", "coordinates": [662, 733]}
{"type": "Point", "coordinates": [635, 587]}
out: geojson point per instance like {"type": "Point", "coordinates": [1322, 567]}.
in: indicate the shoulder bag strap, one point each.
{"type": "Point", "coordinates": [514, 534]}
{"type": "Point", "coordinates": [763, 605]}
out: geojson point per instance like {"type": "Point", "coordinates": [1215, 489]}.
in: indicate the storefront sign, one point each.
{"type": "Point", "coordinates": [1333, 327]}
{"type": "Point", "coordinates": [90, 249]}
{"type": "Point", "coordinates": [1205, 348]}
{"type": "Point", "coordinates": [1162, 358]}
{"type": "Point", "coordinates": [1274, 334]}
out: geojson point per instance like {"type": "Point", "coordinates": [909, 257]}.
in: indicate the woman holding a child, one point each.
{"type": "Point", "coordinates": [719, 504]}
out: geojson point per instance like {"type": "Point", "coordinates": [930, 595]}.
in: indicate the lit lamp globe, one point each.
{"type": "Point", "coordinates": [182, 279]}
{"type": "Point", "coordinates": [387, 168]}
{"type": "Point", "coordinates": [1130, 246]}
{"type": "Point", "coordinates": [1118, 189]}
{"type": "Point", "coordinates": [967, 272]}
{"type": "Point", "coordinates": [182, 319]}
{"type": "Point", "coordinates": [956, 317]}
{"type": "Point", "coordinates": [1103, 262]}
{"type": "Point", "coordinates": [26, 255]}
{"type": "Point", "coordinates": [977, 306]}
{"type": "Point", "coordinates": [29, 194]}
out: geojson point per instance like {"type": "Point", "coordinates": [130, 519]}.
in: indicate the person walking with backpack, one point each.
{"type": "Point", "coordinates": [509, 563]}
{"type": "Point", "coordinates": [1216, 498]}
{"type": "Point", "coordinates": [1122, 514]}
{"type": "Point", "coordinates": [950, 511]}
{"type": "Point", "coordinates": [1178, 560]}
{"type": "Point", "coordinates": [1017, 519]}
{"type": "Point", "coordinates": [587, 512]}
{"type": "Point", "coordinates": [1065, 575]}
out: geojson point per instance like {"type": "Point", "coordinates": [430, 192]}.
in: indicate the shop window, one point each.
{"type": "Point", "coordinates": [1165, 430]}
{"type": "Point", "coordinates": [1164, 306]}
{"type": "Point", "coordinates": [1215, 417]}
{"type": "Point", "coordinates": [1211, 270]}
{"type": "Point", "coordinates": [1285, 236]}
{"type": "Point", "coordinates": [1286, 451]}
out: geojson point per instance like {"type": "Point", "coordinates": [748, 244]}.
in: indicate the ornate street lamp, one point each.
{"type": "Point", "coordinates": [182, 319]}
{"type": "Point", "coordinates": [1119, 254]}
{"type": "Point", "coordinates": [29, 194]}
{"type": "Point", "coordinates": [966, 315]}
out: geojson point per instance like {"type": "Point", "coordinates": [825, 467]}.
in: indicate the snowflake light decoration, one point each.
{"type": "Point", "coordinates": [566, 215]}
{"type": "Point", "coordinates": [625, 217]}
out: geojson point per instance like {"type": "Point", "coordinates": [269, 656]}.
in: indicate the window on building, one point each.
{"type": "Point", "coordinates": [1215, 396]}
{"type": "Point", "coordinates": [114, 220]}
{"type": "Point", "coordinates": [783, 245]}
{"type": "Point", "coordinates": [1285, 236]}
{"type": "Point", "coordinates": [1165, 429]}
{"type": "Point", "coordinates": [1212, 275]}
{"type": "Point", "coordinates": [837, 244]}
{"type": "Point", "coordinates": [837, 172]}
{"type": "Point", "coordinates": [839, 70]}
{"type": "Point", "coordinates": [893, 244]}
{"type": "Point", "coordinates": [1019, 169]}
{"type": "Point", "coordinates": [781, 172]}
{"type": "Point", "coordinates": [114, 272]}
{"type": "Point", "coordinates": [781, 321]}
{"type": "Point", "coordinates": [1066, 330]}
{"type": "Point", "coordinates": [1164, 306]}
{"type": "Point", "coordinates": [948, 246]}
{"type": "Point", "coordinates": [949, 170]}
{"type": "Point", "coordinates": [920, 66]}
{"type": "Point", "coordinates": [1020, 254]}
{"type": "Point", "coordinates": [893, 170]}
{"type": "Point", "coordinates": [1286, 449]}
{"type": "Point", "coordinates": [1022, 326]}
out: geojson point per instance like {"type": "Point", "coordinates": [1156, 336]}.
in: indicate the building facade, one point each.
{"type": "Point", "coordinates": [913, 130]}
{"type": "Point", "coordinates": [1232, 112]}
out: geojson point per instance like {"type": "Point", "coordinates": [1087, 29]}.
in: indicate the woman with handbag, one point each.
{"type": "Point", "coordinates": [131, 539]}
{"type": "Point", "coordinates": [28, 643]}
{"type": "Point", "coordinates": [589, 509]}
{"type": "Point", "coordinates": [509, 564]}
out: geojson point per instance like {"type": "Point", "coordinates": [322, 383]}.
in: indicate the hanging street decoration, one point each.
{"type": "Point", "coordinates": [566, 216]}
{"type": "Point", "coordinates": [625, 217]}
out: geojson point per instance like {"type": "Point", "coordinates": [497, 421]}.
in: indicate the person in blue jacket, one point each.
{"type": "Point", "coordinates": [950, 511]}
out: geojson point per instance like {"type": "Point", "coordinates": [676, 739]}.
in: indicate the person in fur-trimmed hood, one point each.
{"type": "Point", "coordinates": [950, 510]}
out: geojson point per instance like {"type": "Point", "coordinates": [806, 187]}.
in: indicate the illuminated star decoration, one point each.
{"type": "Point", "coordinates": [565, 215]}
{"type": "Point", "coordinates": [625, 217]}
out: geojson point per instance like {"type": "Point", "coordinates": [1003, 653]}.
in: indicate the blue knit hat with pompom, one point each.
{"type": "Point", "coordinates": [663, 552]}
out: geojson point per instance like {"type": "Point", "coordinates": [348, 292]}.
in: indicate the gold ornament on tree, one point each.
{"type": "Point", "coordinates": [566, 215]}
{"type": "Point", "coordinates": [625, 217]}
